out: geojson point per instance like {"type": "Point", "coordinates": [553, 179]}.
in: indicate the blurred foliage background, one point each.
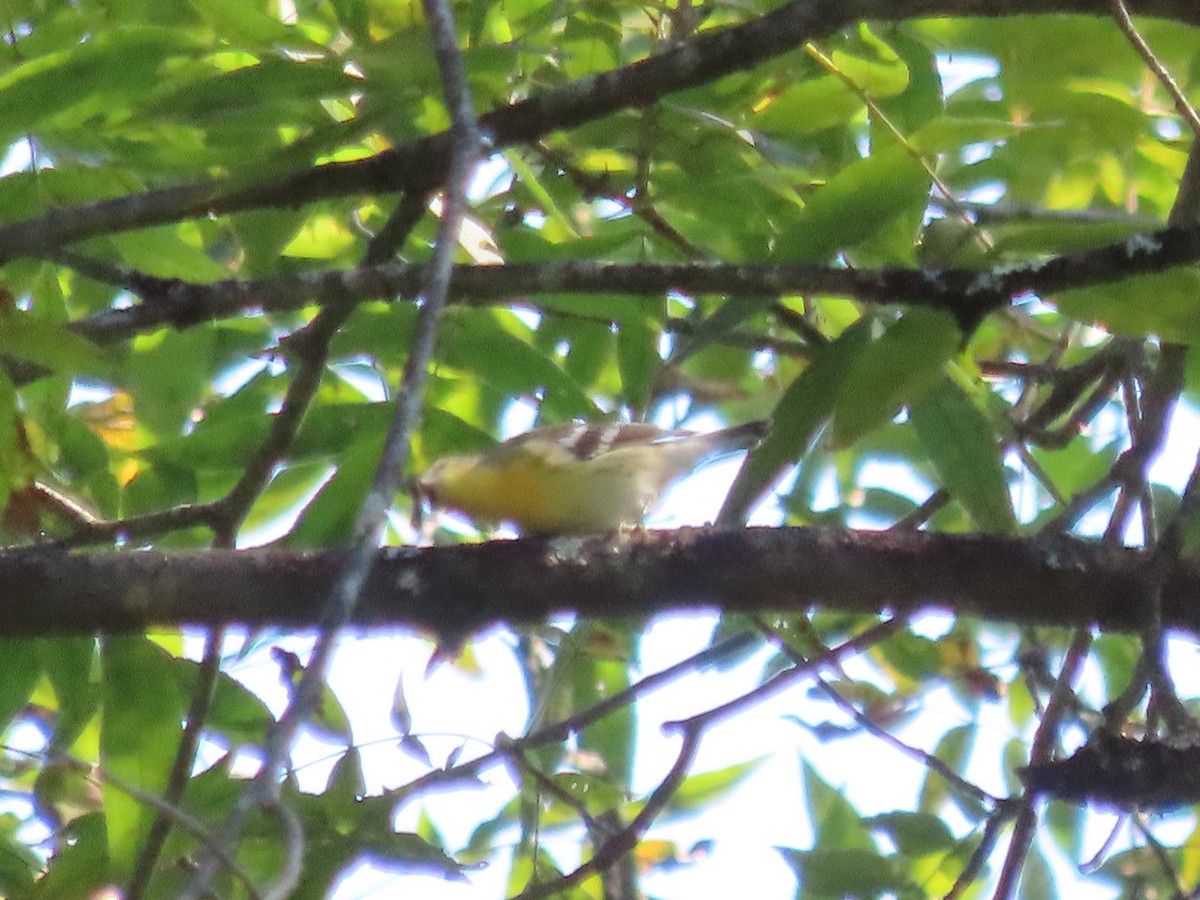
{"type": "Point", "coordinates": [894, 141]}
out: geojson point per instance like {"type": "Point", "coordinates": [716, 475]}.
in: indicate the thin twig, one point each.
{"type": "Point", "coordinates": [1161, 395]}
{"type": "Point", "coordinates": [199, 707]}
{"type": "Point", "coordinates": [775, 684]}
{"type": "Point", "coordinates": [466, 146]}
{"type": "Point", "coordinates": [1165, 78]}
{"type": "Point", "coordinates": [992, 830]}
{"type": "Point", "coordinates": [1003, 213]}
{"type": "Point", "coordinates": [100, 776]}
{"type": "Point", "coordinates": [397, 229]}
{"type": "Point", "coordinates": [1160, 853]}
{"type": "Point", "coordinates": [617, 845]}
{"type": "Point", "coordinates": [696, 724]}
{"type": "Point", "coordinates": [947, 195]}
{"type": "Point", "coordinates": [598, 186]}
{"type": "Point", "coordinates": [932, 505]}
{"type": "Point", "coordinates": [956, 781]}
{"type": "Point", "coordinates": [1043, 745]}
{"type": "Point", "coordinates": [561, 730]}
{"type": "Point", "coordinates": [421, 164]}
{"type": "Point", "coordinates": [549, 786]}
{"type": "Point", "coordinates": [308, 350]}
{"type": "Point", "coordinates": [931, 762]}
{"type": "Point", "coordinates": [692, 730]}
{"type": "Point", "coordinates": [310, 346]}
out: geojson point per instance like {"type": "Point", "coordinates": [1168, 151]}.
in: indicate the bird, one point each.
{"type": "Point", "coordinates": [579, 477]}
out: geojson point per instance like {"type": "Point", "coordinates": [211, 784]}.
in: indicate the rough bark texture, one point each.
{"type": "Point", "coordinates": [454, 591]}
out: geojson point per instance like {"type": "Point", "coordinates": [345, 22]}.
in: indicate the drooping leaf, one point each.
{"type": "Point", "coordinates": [856, 204]}
{"type": "Point", "coordinates": [1162, 305]}
{"type": "Point", "coordinates": [898, 368]}
{"type": "Point", "coordinates": [804, 407]}
{"type": "Point", "coordinates": [963, 448]}
{"type": "Point", "coordinates": [142, 707]}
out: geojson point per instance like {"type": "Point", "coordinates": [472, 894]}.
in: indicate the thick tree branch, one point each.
{"type": "Point", "coordinates": [455, 591]}
{"type": "Point", "coordinates": [968, 294]}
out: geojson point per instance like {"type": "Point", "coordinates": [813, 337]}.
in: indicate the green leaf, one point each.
{"type": "Point", "coordinates": [914, 834]}
{"type": "Point", "coordinates": [354, 16]}
{"type": "Point", "coordinates": [82, 867]}
{"type": "Point", "coordinates": [835, 821]}
{"type": "Point", "coordinates": [408, 852]}
{"type": "Point", "coordinates": [1116, 655]}
{"type": "Point", "coordinates": [100, 73]}
{"type": "Point", "coordinates": [244, 24]}
{"type": "Point", "coordinates": [639, 362]}
{"type": "Point", "coordinates": [705, 332]}
{"type": "Point", "coordinates": [808, 106]}
{"type": "Point", "coordinates": [486, 344]}
{"type": "Point", "coordinates": [1016, 754]}
{"type": "Point", "coordinates": [801, 411]}
{"type": "Point", "coordinates": [163, 370]}
{"type": "Point", "coordinates": [226, 445]}
{"type": "Point", "coordinates": [909, 656]}
{"type": "Point", "coordinates": [594, 678]}
{"type": "Point", "coordinates": [22, 666]}
{"type": "Point", "coordinates": [1065, 823]}
{"type": "Point", "coordinates": [700, 791]}
{"type": "Point", "coordinates": [1075, 467]}
{"type": "Point", "coordinates": [921, 101]}
{"type": "Point", "coordinates": [947, 133]}
{"type": "Point", "coordinates": [329, 517]}
{"type": "Point", "coordinates": [857, 203]}
{"type": "Point", "coordinates": [19, 866]}
{"type": "Point", "coordinates": [70, 664]}
{"type": "Point", "coordinates": [1163, 305]}
{"type": "Point", "coordinates": [164, 252]}
{"type": "Point", "coordinates": [560, 222]}
{"type": "Point", "coordinates": [1038, 881]}
{"type": "Point", "coordinates": [588, 345]}
{"type": "Point", "coordinates": [596, 793]}
{"type": "Point", "coordinates": [139, 733]}
{"type": "Point", "coordinates": [959, 440]}
{"type": "Point", "coordinates": [896, 369]}
{"type": "Point", "coordinates": [1025, 238]}
{"type": "Point", "coordinates": [49, 344]}
{"type": "Point", "coordinates": [885, 76]}
{"type": "Point", "coordinates": [236, 713]}
{"type": "Point", "coordinates": [845, 873]}
{"type": "Point", "coordinates": [954, 749]}
{"type": "Point", "coordinates": [14, 461]}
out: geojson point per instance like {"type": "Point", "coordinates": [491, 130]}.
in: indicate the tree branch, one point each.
{"type": "Point", "coordinates": [966, 293]}
{"type": "Point", "coordinates": [421, 165]}
{"type": "Point", "coordinates": [455, 591]}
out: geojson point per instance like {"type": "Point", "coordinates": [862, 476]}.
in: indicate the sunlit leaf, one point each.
{"type": "Point", "coordinates": [854, 205]}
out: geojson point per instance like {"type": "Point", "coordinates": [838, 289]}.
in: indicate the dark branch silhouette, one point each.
{"type": "Point", "coordinates": [453, 592]}
{"type": "Point", "coordinates": [968, 294]}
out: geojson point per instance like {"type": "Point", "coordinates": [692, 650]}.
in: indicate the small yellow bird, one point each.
{"type": "Point", "coordinates": [577, 478]}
